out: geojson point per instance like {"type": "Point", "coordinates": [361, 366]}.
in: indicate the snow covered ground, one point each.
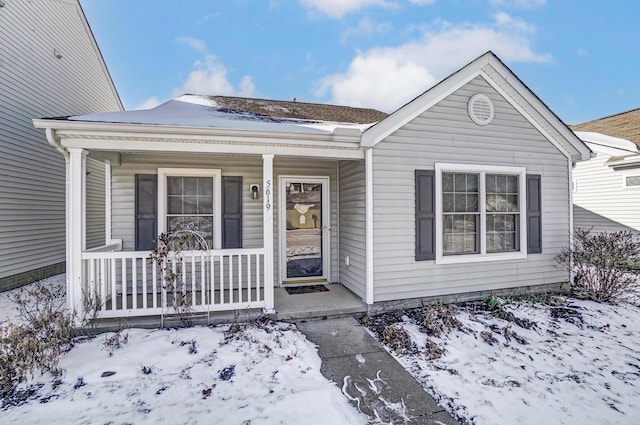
{"type": "Point", "coordinates": [557, 360]}
{"type": "Point", "coordinates": [262, 373]}
{"type": "Point", "coordinates": [577, 363]}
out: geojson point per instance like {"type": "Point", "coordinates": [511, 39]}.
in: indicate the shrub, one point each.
{"type": "Point", "coordinates": [605, 265]}
{"type": "Point", "coordinates": [35, 343]}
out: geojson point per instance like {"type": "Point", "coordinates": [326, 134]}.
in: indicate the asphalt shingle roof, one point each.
{"type": "Point", "coordinates": [298, 110]}
{"type": "Point", "coordinates": [625, 125]}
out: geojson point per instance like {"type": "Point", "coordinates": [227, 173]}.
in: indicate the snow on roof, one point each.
{"type": "Point", "coordinates": [603, 141]}
{"type": "Point", "coordinates": [246, 114]}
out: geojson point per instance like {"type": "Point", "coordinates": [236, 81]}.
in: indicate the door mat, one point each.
{"type": "Point", "coordinates": [309, 289]}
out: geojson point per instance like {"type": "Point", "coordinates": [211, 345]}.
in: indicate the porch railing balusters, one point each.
{"type": "Point", "coordinates": [219, 280]}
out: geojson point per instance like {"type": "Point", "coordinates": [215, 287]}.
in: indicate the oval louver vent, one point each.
{"type": "Point", "coordinates": [481, 109]}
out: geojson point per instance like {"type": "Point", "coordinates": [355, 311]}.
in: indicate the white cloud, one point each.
{"type": "Point", "coordinates": [386, 78]}
{"type": "Point", "coordinates": [507, 21]}
{"type": "Point", "coordinates": [366, 28]}
{"type": "Point", "coordinates": [523, 4]}
{"type": "Point", "coordinates": [195, 43]}
{"type": "Point", "coordinates": [376, 80]}
{"type": "Point", "coordinates": [209, 76]}
{"type": "Point", "coordinates": [422, 2]}
{"type": "Point", "coordinates": [338, 8]}
{"type": "Point", "coordinates": [149, 103]}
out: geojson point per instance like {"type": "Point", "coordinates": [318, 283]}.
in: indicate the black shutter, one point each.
{"type": "Point", "coordinates": [146, 211]}
{"type": "Point", "coordinates": [534, 215]}
{"type": "Point", "coordinates": [231, 212]}
{"type": "Point", "coordinates": [425, 215]}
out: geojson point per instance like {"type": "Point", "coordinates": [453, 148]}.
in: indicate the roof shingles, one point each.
{"type": "Point", "coordinates": [298, 110]}
{"type": "Point", "coordinates": [625, 125]}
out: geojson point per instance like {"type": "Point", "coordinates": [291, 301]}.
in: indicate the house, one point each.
{"type": "Point", "coordinates": [50, 65]}
{"type": "Point", "coordinates": [607, 189]}
{"type": "Point", "coordinates": [464, 190]}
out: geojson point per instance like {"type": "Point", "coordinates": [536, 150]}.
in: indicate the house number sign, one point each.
{"type": "Point", "coordinates": [267, 195]}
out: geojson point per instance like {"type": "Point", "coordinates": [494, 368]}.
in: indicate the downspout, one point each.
{"type": "Point", "coordinates": [368, 167]}
{"type": "Point", "coordinates": [571, 274]}
{"type": "Point", "coordinates": [55, 142]}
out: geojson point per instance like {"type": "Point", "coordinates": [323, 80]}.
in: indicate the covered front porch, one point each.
{"type": "Point", "coordinates": [109, 277]}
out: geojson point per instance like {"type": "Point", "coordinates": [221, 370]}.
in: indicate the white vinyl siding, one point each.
{"type": "Point", "coordinates": [445, 133]}
{"type": "Point", "coordinates": [35, 84]}
{"type": "Point", "coordinates": [250, 168]}
{"type": "Point", "coordinates": [352, 226]}
{"type": "Point", "coordinates": [603, 198]}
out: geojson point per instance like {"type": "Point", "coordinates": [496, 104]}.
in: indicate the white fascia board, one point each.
{"type": "Point", "coordinates": [133, 137]}
{"type": "Point", "coordinates": [426, 100]}
{"type": "Point", "coordinates": [584, 153]}
{"type": "Point", "coordinates": [214, 148]}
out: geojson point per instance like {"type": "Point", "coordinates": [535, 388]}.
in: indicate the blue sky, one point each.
{"type": "Point", "coordinates": [582, 58]}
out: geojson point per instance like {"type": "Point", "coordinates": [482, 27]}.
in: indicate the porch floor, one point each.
{"type": "Point", "coordinates": [336, 302]}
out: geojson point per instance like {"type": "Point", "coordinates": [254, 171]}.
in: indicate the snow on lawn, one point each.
{"type": "Point", "coordinates": [578, 363]}
{"type": "Point", "coordinates": [259, 373]}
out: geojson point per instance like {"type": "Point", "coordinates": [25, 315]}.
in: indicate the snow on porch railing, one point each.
{"type": "Point", "coordinates": [128, 284]}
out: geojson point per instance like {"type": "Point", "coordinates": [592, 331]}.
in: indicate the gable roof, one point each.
{"type": "Point", "coordinates": [625, 125]}
{"type": "Point", "coordinates": [501, 78]}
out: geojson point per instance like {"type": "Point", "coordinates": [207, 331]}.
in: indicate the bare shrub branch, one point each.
{"type": "Point", "coordinates": [605, 265]}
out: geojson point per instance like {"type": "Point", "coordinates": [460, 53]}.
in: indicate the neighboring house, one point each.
{"type": "Point", "coordinates": [50, 65]}
{"type": "Point", "coordinates": [606, 190]}
{"type": "Point", "coordinates": [467, 188]}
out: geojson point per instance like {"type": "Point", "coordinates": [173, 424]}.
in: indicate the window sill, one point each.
{"type": "Point", "coordinates": [479, 258]}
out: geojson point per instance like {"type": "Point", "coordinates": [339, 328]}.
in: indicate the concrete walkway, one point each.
{"type": "Point", "coordinates": [369, 377]}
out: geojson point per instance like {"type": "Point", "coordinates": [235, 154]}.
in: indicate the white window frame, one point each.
{"type": "Point", "coordinates": [215, 174]}
{"type": "Point", "coordinates": [624, 181]}
{"type": "Point", "coordinates": [482, 170]}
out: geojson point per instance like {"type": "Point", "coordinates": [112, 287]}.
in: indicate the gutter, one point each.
{"type": "Point", "coordinates": [55, 142]}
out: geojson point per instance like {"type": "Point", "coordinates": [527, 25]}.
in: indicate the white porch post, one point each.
{"type": "Point", "coordinates": [76, 240]}
{"type": "Point", "coordinates": [267, 229]}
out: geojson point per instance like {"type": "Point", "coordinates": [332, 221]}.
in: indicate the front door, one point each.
{"type": "Point", "coordinates": [304, 224]}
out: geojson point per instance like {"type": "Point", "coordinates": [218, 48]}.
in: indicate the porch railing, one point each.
{"type": "Point", "coordinates": [128, 284]}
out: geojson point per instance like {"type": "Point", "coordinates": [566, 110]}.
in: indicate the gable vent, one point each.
{"type": "Point", "coordinates": [480, 109]}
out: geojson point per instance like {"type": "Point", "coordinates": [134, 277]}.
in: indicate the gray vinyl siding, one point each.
{"type": "Point", "coordinates": [95, 196]}
{"type": "Point", "coordinates": [529, 109]}
{"type": "Point", "coordinates": [352, 226]}
{"type": "Point", "coordinates": [446, 134]}
{"type": "Point", "coordinates": [601, 191]}
{"type": "Point", "coordinates": [35, 84]}
{"type": "Point", "coordinates": [250, 168]}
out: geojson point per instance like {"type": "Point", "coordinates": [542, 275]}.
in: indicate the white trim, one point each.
{"type": "Point", "coordinates": [570, 167]}
{"type": "Point", "coordinates": [369, 284]}
{"type": "Point", "coordinates": [215, 174]}
{"type": "Point", "coordinates": [449, 85]}
{"type": "Point", "coordinates": [325, 229]}
{"type": "Point", "coordinates": [375, 134]}
{"type": "Point", "coordinates": [107, 202]}
{"type": "Point", "coordinates": [524, 113]}
{"type": "Point", "coordinates": [76, 238]}
{"type": "Point", "coordinates": [267, 231]}
{"type": "Point", "coordinates": [483, 255]}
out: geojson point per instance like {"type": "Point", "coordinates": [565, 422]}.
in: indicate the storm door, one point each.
{"type": "Point", "coordinates": [304, 224]}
